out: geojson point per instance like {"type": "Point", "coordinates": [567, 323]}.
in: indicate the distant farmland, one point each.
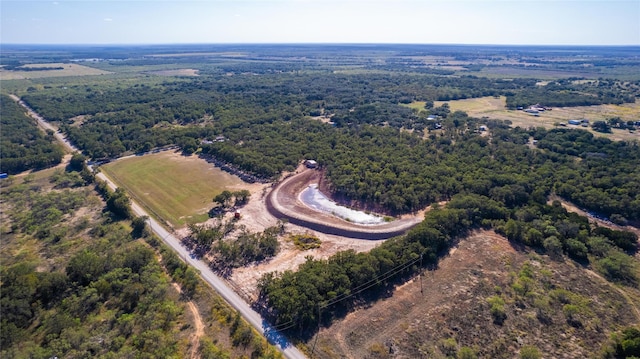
{"type": "Point", "coordinates": [66, 70]}
{"type": "Point", "coordinates": [495, 108]}
{"type": "Point", "coordinates": [175, 188]}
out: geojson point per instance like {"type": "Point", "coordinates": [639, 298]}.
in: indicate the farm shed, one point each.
{"type": "Point", "coordinates": [311, 163]}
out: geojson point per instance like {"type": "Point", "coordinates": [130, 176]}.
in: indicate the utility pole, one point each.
{"type": "Point", "coordinates": [421, 272]}
{"type": "Point", "coordinates": [318, 333]}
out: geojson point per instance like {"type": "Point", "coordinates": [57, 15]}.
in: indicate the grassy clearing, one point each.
{"type": "Point", "coordinates": [416, 105]}
{"type": "Point", "coordinates": [68, 70]}
{"type": "Point", "coordinates": [177, 189]}
{"type": "Point", "coordinates": [176, 72]}
{"type": "Point", "coordinates": [494, 108]}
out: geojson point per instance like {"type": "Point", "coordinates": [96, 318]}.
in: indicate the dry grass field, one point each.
{"type": "Point", "coordinates": [176, 72]}
{"type": "Point", "coordinates": [494, 108]}
{"type": "Point", "coordinates": [449, 305]}
{"type": "Point", "coordinates": [176, 188]}
{"type": "Point", "coordinates": [67, 70]}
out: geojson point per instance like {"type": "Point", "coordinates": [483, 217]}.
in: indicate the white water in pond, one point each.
{"type": "Point", "coordinates": [313, 198]}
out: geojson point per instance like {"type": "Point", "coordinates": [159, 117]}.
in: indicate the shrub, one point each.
{"type": "Point", "coordinates": [530, 352]}
{"type": "Point", "coordinates": [497, 309]}
{"type": "Point", "coordinates": [305, 241]}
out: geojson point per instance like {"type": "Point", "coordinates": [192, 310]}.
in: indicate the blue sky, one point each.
{"type": "Point", "coordinates": [517, 22]}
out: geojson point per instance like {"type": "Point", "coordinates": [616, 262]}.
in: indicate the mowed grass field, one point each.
{"type": "Point", "coordinates": [176, 188]}
{"type": "Point", "coordinates": [495, 108]}
{"type": "Point", "coordinates": [67, 70]}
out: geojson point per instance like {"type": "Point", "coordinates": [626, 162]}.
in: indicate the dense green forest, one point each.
{"type": "Point", "coordinates": [23, 146]}
{"type": "Point", "coordinates": [137, 117]}
{"type": "Point", "coordinates": [367, 152]}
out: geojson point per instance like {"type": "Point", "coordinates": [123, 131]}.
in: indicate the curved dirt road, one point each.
{"type": "Point", "coordinates": [283, 202]}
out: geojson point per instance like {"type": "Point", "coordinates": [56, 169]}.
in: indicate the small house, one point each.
{"type": "Point", "coordinates": [311, 163]}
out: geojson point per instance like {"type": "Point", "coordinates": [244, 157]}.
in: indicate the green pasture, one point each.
{"type": "Point", "coordinates": [177, 189]}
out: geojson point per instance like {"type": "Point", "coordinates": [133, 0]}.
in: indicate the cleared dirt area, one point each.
{"type": "Point", "coordinates": [255, 217]}
{"type": "Point", "coordinates": [450, 303]}
{"type": "Point", "coordinates": [495, 108]}
{"type": "Point", "coordinates": [67, 70]}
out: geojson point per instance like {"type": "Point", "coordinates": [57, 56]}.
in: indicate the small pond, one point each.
{"type": "Point", "coordinates": [313, 198]}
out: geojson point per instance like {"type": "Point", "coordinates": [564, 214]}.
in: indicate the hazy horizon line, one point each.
{"type": "Point", "coordinates": [312, 43]}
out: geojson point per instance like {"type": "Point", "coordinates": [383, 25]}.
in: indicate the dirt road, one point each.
{"type": "Point", "coordinates": [45, 125]}
{"type": "Point", "coordinates": [283, 202]}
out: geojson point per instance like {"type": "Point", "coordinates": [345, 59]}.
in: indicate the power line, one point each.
{"type": "Point", "coordinates": [358, 289]}
{"type": "Point", "coordinates": [371, 283]}
{"type": "Point", "coordinates": [362, 287]}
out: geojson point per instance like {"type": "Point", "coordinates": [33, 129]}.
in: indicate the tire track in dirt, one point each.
{"type": "Point", "coordinates": [622, 292]}
{"type": "Point", "coordinates": [198, 325]}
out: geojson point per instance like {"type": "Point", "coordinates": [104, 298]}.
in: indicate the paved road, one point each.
{"type": "Point", "coordinates": [216, 282]}
{"type": "Point", "coordinates": [206, 273]}
{"type": "Point", "coordinates": [45, 125]}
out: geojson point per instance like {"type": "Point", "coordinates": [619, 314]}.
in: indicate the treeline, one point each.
{"type": "Point", "coordinates": [23, 146]}
{"type": "Point", "coordinates": [333, 286]}
{"type": "Point", "coordinates": [568, 93]}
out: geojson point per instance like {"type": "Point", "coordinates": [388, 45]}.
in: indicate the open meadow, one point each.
{"type": "Point", "coordinates": [66, 69]}
{"type": "Point", "coordinates": [176, 188]}
{"type": "Point", "coordinates": [495, 108]}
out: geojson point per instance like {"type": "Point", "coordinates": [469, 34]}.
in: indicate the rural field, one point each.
{"type": "Point", "coordinates": [495, 108]}
{"type": "Point", "coordinates": [429, 316]}
{"type": "Point", "coordinates": [67, 70]}
{"type": "Point", "coordinates": [176, 188]}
